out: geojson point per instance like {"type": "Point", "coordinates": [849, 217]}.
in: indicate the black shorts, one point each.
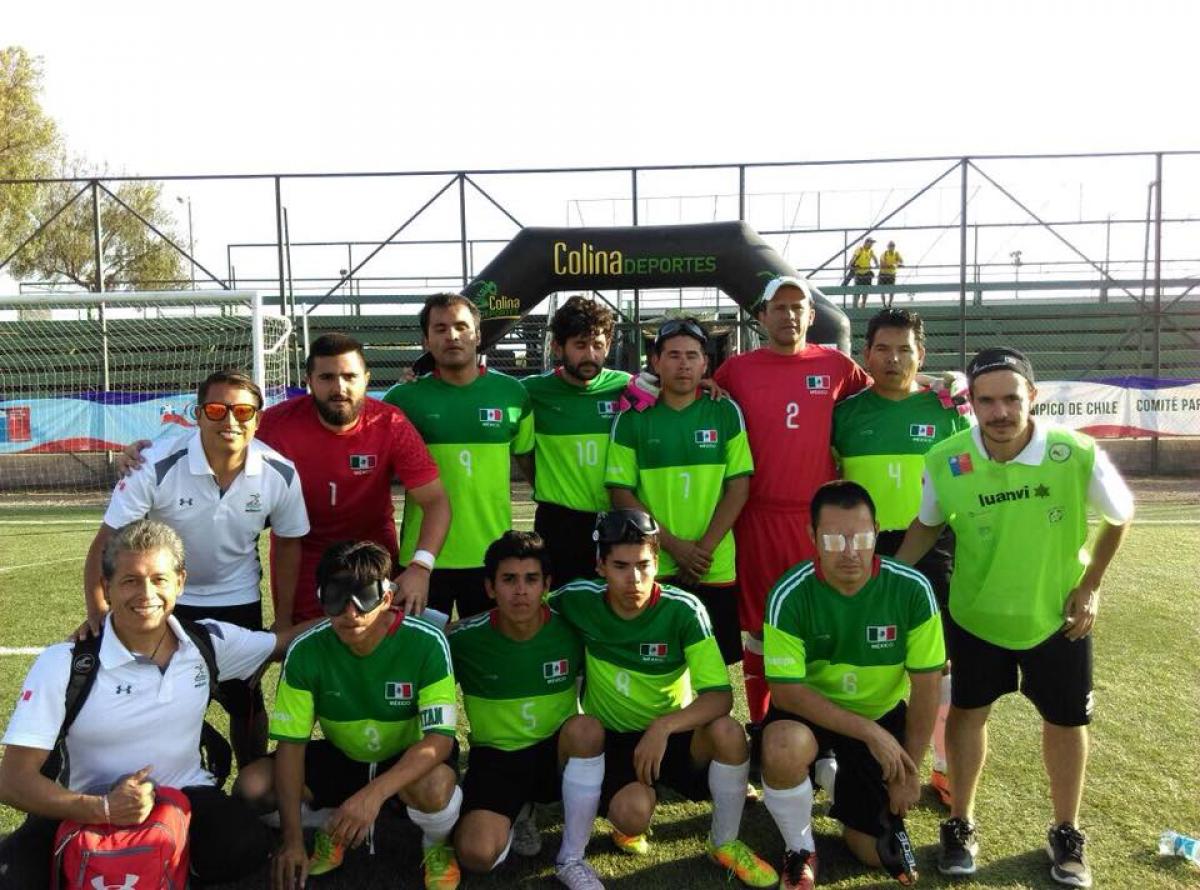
{"type": "Point", "coordinates": [1056, 674]}
{"type": "Point", "coordinates": [722, 605]}
{"type": "Point", "coordinates": [332, 777]}
{"type": "Point", "coordinates": [865, 278]}
{"type": "Point", "coordinates": [677, 772]}
{"type": "Point", "coordinates": [458, 587]}
{"type": "Point", "coordinates": [937, 565]}
{"type": "Point", "coordinates": [887, 277]}
{"type": "Point", "coordinates": [504, 781]}
{"type": "Point", "coordinates": [568, 537]}
{"type": "Point", "coordinates": [860, 796]}
{"type": "Point", "coordinates": [237, 697]}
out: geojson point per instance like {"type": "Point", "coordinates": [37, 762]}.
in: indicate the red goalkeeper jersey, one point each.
{"type": "Point", "coordinates": [788, 404]}
{"type": "Point", "coordinates": [346, 477]}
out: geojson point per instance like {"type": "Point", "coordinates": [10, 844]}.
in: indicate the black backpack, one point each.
{"type": "Point", "coordinates": [216, 755]}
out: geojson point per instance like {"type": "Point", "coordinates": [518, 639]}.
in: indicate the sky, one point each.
{"type": "Point", "coordinates": [236, 87]}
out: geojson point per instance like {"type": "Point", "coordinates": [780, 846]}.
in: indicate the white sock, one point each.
{"type": "Point", "coordinates": [939, 725]}
{"type": "Point", "coordinates": [581, 783]}
{"type": "Point", "coordinates": [791, 808]}
{"type": "Point", "coordinates": [825, 771]}
{"type": "Point", "coordinates": [727, 785]}
{"type": "Point", "coordinates": [436, 827]}
{"type": "Point", "coordinates": [503, 853]}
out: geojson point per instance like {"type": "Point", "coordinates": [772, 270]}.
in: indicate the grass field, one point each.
{"type": "Point", "coordinates": [1142, 776]}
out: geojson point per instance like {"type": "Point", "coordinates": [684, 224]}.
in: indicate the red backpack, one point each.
{"type": "Point", "coordinates": [149, 856]}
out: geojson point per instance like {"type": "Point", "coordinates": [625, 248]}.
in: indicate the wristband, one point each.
{"type": "Point", "coordinates": [107, 815]}
{"type": "Point", "coordinates": [424, 559]}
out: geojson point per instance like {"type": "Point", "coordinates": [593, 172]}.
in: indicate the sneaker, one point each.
{"type": "Point", "coordinates": [940, 783]}
{"type": "Point", "coordinates": [441, 868]}
{"type": "Point", "coordinates": [799, 870]}
{"type": "Point", "coordinates": [960, 846]}
{"type": "Point", "coordinates": [633, 844]}
{"type": "Point", "coordinates": [326, 856]}
{"type": "Point", "coordinates": [743, 863]}
{"type": "Point", "coordinates": [1065, 843]}
{"type": "Point", "coordinates": [895, 850]}
{"type": "Point", "coordinates": [527, 839]}
{"type": "Point", "coordinates": [578, 875]}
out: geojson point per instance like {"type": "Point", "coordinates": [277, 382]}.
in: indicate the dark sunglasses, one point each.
{"type": "Point", "coordinates": [336, 594]}
{"type": "Point", "coordinates": [612, 527]}
{"type": "Point", "coordinates": [216, 411]}
{"type": "Point", "coordinates": [677, 326]}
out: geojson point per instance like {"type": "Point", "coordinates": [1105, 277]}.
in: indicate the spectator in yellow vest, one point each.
{"type": "Point", "coordinates": [888, 264]}
{"type": "Point", "coordinates": [861, 264]}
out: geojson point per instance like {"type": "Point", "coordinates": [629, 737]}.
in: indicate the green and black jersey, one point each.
{"type": "Point", "coordinates": [571, 428]}
{"type": "Point", "coordinates": [855, 650]}
{"type": "Point", "coordinates": [677, 462]}
{"type": "Point", "coordinates": [643, 667]}
{"type": "Point", "coordinates": [881, 445]}
{"type": "Point", "coordinates": [371, 707]}
{"type": "Point", "coordinates": [472, 431]}
{"type": "Point", "coordinates": [516, 692]}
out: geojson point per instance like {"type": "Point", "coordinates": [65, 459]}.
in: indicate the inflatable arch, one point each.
{"type": "Point", "coordinates": [727, 255]}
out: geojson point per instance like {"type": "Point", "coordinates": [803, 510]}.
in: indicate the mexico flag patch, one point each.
{"type": "Point", "coordinates": [552, 670]}
{"type": "Point", "coordinates": [881, 633]}
{"type": "Point", "coordinates": [654, 650]}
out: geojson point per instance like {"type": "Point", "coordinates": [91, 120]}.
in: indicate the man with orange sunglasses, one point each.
{"type": "Point", "coordinates": [218, 489]}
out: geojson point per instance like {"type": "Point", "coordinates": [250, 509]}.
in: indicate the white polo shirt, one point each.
{"type": "Point", "coordinates": [219, 529]}
{"type": "Point", "coordinates": [136, 715]}
{"type": "Point", "coordinates": [1107, 493]}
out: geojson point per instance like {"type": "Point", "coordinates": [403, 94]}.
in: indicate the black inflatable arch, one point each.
{"type": "Point", "coordinates": [727, 255]}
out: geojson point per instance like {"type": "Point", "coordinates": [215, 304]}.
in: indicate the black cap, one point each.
{"type": "Point", "coordinates": [999, 358]}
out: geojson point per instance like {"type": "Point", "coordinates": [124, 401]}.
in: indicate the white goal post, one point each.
{"type": "Point", "coordinates": [83, 373]}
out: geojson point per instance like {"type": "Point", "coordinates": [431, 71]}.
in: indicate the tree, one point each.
{"type": "Point", "coordinates": [29, 144]}
{"type": "Point", "coordinates": [133, 255]}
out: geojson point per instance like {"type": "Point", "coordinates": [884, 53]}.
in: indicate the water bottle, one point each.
{"type": "Point", "coordinates": [1172, 843]}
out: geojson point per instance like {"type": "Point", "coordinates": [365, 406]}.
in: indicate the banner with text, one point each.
{"type": "Point", "coordinates": [1120, 407]}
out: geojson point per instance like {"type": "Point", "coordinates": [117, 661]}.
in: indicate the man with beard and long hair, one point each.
{"type": "Point", "coordinates": [348, 448]}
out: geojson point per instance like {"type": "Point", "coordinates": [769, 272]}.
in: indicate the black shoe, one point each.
{"type": "Point", "coordinates": [1065, 843]}
{"type": "Point", "coordinates": [960, 846]}
{"type": "Point", "coordinates": [895, 851]}
{"type": "Point", "coordinates": [799, 870]}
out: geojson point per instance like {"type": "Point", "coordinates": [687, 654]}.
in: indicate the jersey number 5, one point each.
{"type": "Point", "coordinates": [528, 716]}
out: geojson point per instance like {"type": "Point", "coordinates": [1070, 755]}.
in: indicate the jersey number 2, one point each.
{"type": "Point", "coordinates": [792, 422]}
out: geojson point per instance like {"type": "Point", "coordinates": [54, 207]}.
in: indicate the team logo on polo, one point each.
{"type": "Point", "coordinates": [362, 463]}
{"type": "Point", "coordinates": [254, 505]}
{"type": "Point", "coordinates": [706, 437]}
{"type": "Point", "coordinates": [606, 408]}
{"type": "Point", "coordinates": [960, 465]}
{"type": "Point", "coordinates": [881, 635]}
{"type": "Point", "coordinates": [397, 691]}
{"type": "Point", "coordinates": [556, 670]}
{"type": "Point", "coordinates": [490, 416]}
{"type": "Point", "coordinates": [817, 382]}
{"type": "Point", "coordinates": [656, 651]}
{"type": "Point", "coordinates": [922, 431]}
{"type": "Point", "coordinates": [1059, 452]}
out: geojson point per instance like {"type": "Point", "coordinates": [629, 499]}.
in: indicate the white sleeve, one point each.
{"type": "Point", "coordinates": [133, 496]}
{"type": "Point", "coordinates": [239, 652]}
{"type": "Point", "coordinates": [1107, 492]}
{"type": "Point", "coordinates": [289, 518]}
{"type": "Point", "coordinates": [41, 701]}
{"type": "Point", "coordinates": [931, 511]}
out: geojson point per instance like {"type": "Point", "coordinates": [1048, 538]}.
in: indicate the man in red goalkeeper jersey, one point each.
{"type": "Point", "coordinates": [347, 449]}
{"type": "Point", "coordinates": [787, 390]}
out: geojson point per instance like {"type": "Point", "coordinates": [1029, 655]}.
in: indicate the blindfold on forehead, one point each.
{"type": "Point", "coordinates": [999, 360]}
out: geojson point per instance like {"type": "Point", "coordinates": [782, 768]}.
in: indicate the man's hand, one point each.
{"type": "Point", "coordinates": [648, 755]}
{"type": "Point", "coordinates": [131, 799]}
{"type": "Point", "coordinates": [129, 458]}
{"type": "Point", "coordinates": [351, 821]}
{"type": "Point", "coordinates": [714, 391]}
{"type": "Point", "coordinates": [412, 590]}
{"type": "Point", "coordinates": [893, 759]}
{"type": "Point", "coordinates": [1079, 612]}
{"type": "Point", "coordinates": [693, 559]}
{"type": "Point", "coordinates": [903, 793]}
{"type": "Point", "coordinates": [89, 628]}
{"type": "Point", "coordinates": [289, 871]}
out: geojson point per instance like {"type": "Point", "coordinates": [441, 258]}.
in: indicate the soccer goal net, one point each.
{"type": "Point", "coordinates": [81, 375]}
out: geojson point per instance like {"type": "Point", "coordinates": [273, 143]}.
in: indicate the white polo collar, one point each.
{"type": "Point", "coordinates": [198, 462]}
{"type": "Point", "coordinates": [1031, 455]}
{"type": "Point", "coordinates": [114, 654]}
